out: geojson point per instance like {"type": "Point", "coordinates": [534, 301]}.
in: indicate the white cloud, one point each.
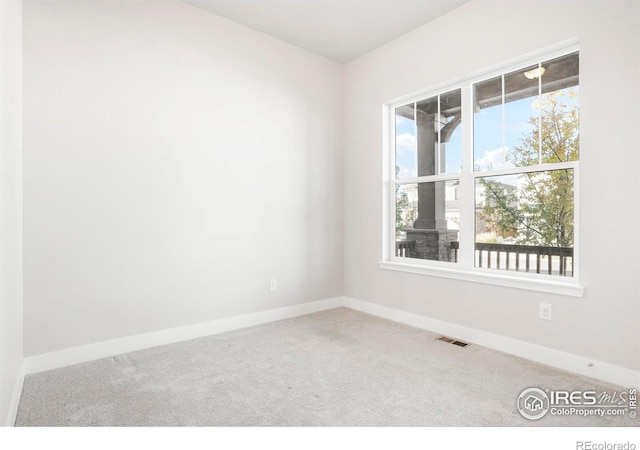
{"type": "Point", "coordinates": [493, 158]}
{"type": "Point", "coordinates": [405, 143]}
{"type": "Point", "coordinates": [406, 172]}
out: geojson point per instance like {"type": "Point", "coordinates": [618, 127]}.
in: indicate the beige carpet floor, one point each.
{"type": "Point", "coordinates": [334, 368]}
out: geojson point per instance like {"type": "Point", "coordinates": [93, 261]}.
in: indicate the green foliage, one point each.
{"type": "Point", "coordinates": [540, 211]}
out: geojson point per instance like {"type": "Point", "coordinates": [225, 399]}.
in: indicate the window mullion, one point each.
{"type": "Point", "coordinates": [502, 124]}
{"type": "Point", "coordinates": [526, 169]}
{"type": "Point", "coordinates": [539, 116]}
{"type": "Point", "coordinates": [467, 196]}
{"type": "Point", "coordinates": [429, 178]}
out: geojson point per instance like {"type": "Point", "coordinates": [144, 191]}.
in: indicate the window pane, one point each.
{"type": "Point", "coordinates": [405, 142]}
{"type": "Point", "coordinates": [560, 110]}
{"type": "Point", "coordinates": [521, 117]}
{"type": "Point", "coordinates": [427, 220]}
{"type": "Point", "coordinates": [451, 132]}
{"type": "Point", "coordinates": [487, 125]}
{"type": "Point", "coordinates": [428, 123]}
{"type": "Point", "coordinates": [526, 217]}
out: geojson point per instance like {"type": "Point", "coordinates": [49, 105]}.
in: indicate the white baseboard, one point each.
{"type": "Point", "coordinates": [15, 398]}
{"type": "Point", "coordinates": [555, 358]}
{"type": "Point", "coordinates": [566, 361]}
{"type": "Point", "coordinates": [90, 352]}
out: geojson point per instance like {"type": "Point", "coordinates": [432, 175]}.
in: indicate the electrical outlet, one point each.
{"type": "Point", "coordinates": [273, 284]}
{"type": "Point", "coordinates": [545, 311]}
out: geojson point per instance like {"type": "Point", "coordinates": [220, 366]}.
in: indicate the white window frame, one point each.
{"type": "Point", "coordinates": [465, 268]}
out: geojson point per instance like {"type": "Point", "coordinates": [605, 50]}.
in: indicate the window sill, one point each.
{"type": "Point", "coordinates": [481, 276]}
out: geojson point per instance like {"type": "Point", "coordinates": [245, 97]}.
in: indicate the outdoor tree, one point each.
{"type": "Point", "coordinates": [402, 206]}
{"type": "Point", "coordinates": [539, 210]}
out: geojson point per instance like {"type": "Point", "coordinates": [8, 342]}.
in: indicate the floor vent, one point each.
{"type": "Point", "coordinates": [452, 341]}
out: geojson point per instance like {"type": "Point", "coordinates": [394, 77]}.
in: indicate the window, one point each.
{"type": "Point", "coordinates": [483, 177]}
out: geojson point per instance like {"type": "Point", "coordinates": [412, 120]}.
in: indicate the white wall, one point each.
{"type": "Point", "coordinates": [174, 163]}
{"type": "Point", "coordinates": [602, 325]}
{"type": "Point", "coordinates": [10, 208]}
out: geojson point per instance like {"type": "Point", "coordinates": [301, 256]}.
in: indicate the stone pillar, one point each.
{"type": "Point", "coordinates": [433, 240]}
{"type": "Point", "coordinates": [432, 244]}
{"type": "Point", "coordinates": [431, 196]}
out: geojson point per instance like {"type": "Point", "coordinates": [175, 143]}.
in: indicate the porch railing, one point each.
{"type": "Point", "coordinates": [405, 248]}
{"type": "Point", "coordinates": [526, 258]}
{"type": "Point", "coordinates": [506, 256]}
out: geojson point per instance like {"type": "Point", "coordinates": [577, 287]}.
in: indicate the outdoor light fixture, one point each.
{"type": "Point", "coordinates": [534, 73]}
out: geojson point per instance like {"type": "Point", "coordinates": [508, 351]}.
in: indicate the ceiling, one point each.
{"type": "Point", "coordinates": [341, 30]}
